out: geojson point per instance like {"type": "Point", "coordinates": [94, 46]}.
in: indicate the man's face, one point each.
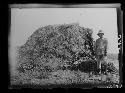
{"type": "Point", "coordinates": [101, 35]}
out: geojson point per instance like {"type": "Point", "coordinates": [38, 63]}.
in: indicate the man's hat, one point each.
{"type": "Point", "coordinates": [100, 32]}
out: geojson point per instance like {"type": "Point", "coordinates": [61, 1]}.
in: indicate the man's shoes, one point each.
{"type": "Point", "coordinates": [97, 73]}
{"type": "Point", "coordinates": [105, 73]}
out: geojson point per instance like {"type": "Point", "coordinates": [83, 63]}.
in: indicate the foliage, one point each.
{"type": "Point", "coordinates": [55, 47]}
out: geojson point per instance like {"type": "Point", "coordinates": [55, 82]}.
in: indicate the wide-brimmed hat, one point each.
{"type": "Point", "coordinates": [100, 32]}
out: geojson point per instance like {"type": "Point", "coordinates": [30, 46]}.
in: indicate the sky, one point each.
{"type": "Point", "coordinates": [25, 21]}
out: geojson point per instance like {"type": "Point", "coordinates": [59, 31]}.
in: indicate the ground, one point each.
{"type": "Point", "coordinates": [68, 77]}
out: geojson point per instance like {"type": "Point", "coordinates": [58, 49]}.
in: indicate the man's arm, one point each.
{"type": "Point", "coordinates": [95, 46]}
{"type": "Point", "coordinates": [106, 47]}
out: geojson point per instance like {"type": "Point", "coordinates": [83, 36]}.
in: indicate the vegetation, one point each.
{"type": "Point", "coordinates": [57, 47]}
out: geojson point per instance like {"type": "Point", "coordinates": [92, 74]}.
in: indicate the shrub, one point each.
{"type": "Point", "coordinates": [111, 68]}
{"type": "Point", "coordinates": [55, 45]}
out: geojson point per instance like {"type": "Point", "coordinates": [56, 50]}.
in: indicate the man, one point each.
{"type": "Point", "coordinates": [100, 49]}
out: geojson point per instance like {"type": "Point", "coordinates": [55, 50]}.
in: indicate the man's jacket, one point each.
{"type": "Point", "coordinates": [101, 46]}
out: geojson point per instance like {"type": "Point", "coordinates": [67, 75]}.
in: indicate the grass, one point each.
{"type": "Point", "coordinates": [67, 77]}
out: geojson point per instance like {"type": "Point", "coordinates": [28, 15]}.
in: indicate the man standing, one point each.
{"type": "Point", "coordinates": [100, 49]}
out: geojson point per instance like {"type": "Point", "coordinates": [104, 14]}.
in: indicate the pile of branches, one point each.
{"type": "Point", "coordinates": [55, 47]}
